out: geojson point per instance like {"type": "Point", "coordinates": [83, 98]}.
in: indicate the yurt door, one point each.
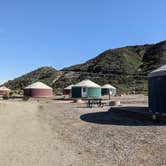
{"type": "Point", "coordinates": [84, 92]}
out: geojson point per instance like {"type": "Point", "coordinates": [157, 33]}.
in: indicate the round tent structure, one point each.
{"type": "Point", "coordinates": [67, 90]}
{"type": "Point", "coordinates": [157, 90]}
{"type": "Point", "coordinates": [86, 89]}
{"type": "Point", "coordinates": [38, 89]}
{"type": "Point", "coordinates": [4, 90]}
{"type": "Point", "coordinates": [108, 89]}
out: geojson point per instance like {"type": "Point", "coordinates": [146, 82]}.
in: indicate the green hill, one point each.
{"type": "Point", "coordinates": [126, 68]}
{"type": "Point", "coordinates": [46, 75]}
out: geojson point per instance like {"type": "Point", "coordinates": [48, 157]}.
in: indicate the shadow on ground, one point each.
{"type": "Point", "coordinates": [121, 117]}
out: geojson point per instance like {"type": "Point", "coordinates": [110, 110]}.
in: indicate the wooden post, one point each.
{"type": "Point", "coordinates": [109, 96]}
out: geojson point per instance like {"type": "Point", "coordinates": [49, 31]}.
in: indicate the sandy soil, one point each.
{"type": "Point", "coordinates": [46, 133]}
{"type": "Point", "coordinates": [25, 141]}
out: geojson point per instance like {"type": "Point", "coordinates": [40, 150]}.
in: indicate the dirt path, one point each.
{"type": "Point", "coordinates": [26, 142]}
{"type": "Point", "coordinates": [45, 133]}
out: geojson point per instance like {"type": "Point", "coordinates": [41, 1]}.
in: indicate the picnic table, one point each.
{"type": "Point", "coordinates": [94, 101]}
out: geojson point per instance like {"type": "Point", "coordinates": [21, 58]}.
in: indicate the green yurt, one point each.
{"type": "Point", "coordinates": [157, 90]}
{"type": "Point", "coordinates": [108, 89]}
{"type": "Point", "coordinates": [86, 89]}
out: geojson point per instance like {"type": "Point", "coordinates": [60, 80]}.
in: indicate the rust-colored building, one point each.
{"type": "Point", "coordinates": [38, 89]}
{"type": "Point", "coordinates": [4, 90]}
{"type": "Point", "coordinates": [67, 90]}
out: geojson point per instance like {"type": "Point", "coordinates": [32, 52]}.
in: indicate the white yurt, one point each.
{"type": "Point", "coordinates": [108, 89]}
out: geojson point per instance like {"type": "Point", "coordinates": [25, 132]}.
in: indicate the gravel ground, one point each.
{"type": "Point", "coordinates": [67, 134]}
{"type": "Point", "coordinates": [25, 141]}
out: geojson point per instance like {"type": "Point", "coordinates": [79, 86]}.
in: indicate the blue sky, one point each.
{"type": "Point", "coordinates": [60, 33]}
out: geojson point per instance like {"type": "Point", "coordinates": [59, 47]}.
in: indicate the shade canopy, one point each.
{"type": "Point", "coordinates": [87, 83]}
{"type": "Point", "coordinates": [38, 85]}
{"type": "Point", "coordinates": [161, 71]}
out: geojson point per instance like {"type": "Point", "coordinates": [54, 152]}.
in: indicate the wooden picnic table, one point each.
{"type": "Point", "coordinates": [93, 101]}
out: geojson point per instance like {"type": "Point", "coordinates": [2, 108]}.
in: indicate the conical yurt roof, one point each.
{"type": "Point", "coordinates": [87, 83]}
{"type": "Point", "coordinates": [161, 71]}
{"type": "Point", "coordinates": [69, 87]}
{"type": "Point", "coordinates": [108, 86]}
{"type": "Point", "coordinates": [4, 88]}
{"type": "Point", "coordinates": [38, 85]}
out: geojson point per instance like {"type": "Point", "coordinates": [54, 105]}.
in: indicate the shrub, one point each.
{"type": "Point", "coordinates": [5, 97]}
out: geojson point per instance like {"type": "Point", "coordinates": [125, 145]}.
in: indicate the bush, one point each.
{"type": "Point", "coordinates": [26, 98]}
{"type": "Point", "coordinates": [5, 97]}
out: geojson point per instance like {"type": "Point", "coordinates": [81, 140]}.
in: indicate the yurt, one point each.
{"type": "Point", "coordinates": [108, 89]}
{"type": "Point", "coordinates": [38, 89]}
{"type": "Point", "coordinates": [86, 89]}
{"type": "Point", "coordinates": [157, 90]}
{"type": "Point", "coordinates": [67, 90]}
{"type": "Point", "coordinates": [4, 90]}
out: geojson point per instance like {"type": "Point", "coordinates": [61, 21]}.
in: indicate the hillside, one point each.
{"type": "Point", "coordinates": [124, 60]}
{"type": "Point", "coordinates": [47, 75]}
{"type": "Point", "coordinates": [126, 68]}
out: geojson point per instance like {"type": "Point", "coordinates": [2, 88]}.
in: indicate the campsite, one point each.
{"type": "Point", "coordinates": [88, 124]}
{"type": "Point", "coordinates": [52, 132]}
{"type": "Point", "coordinates": [82, 83]}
